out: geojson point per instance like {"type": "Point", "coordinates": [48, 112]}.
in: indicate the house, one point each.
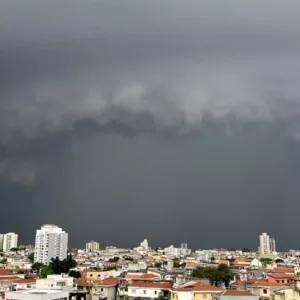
{"type": "Point", "coordinates": [238, 285]}
{"type": "Point", "coordinates": [265, 288]}
{"type": "Point", "coordinates": [280, 278]}
{"type": "Point", "coordinates": [149, 289]}
{"type": "Point", "coordinates": [235, 295]}
{"type": "Point", "coordinates": [106, 289]}
{"type": "Point", "coordinates": [286, 294]}
{"type": "Point", "coordinates": [255, 263]}
{"type": "Point", "coordinates": [241, 263]}
{"type": "Point", "coordinates": [56, 282]}
{"type": "Point", "coordinates": [92, 276]}
{"type": "Point", "coordinates": [289, 271]}
{"type": "Point", "coordinates": [224, 262]}
{"type": "Point", "coordinates": [35, 294]}
{"type": "Point", "coordinates": [189, 268]}
{"type": "Point", "coordinates": [194, 291]}
{"type": "Point", "coordinates": [141, 276]}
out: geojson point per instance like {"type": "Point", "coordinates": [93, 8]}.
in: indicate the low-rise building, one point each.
{"type": "Point", "coordinates": [235, 295]}
{"type": "Point", "coordinates": [149, 289]}
{"type": "Point", "coordinates": [35, 294]}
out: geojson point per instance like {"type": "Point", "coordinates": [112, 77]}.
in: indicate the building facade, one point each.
{"type": "Point", "coordinates": [92, 246]}
{"type": "Point", "coordinates": [10, 240]}
{"type": "Point", "coordinates": [50, 241]}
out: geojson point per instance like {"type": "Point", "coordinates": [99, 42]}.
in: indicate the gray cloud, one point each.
{"type": "Point", "coordinates": [172, 108]}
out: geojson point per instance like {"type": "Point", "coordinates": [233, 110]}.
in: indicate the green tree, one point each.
{"type": "Point", "coordinates": [212, 259]}
{"type": "Point", "coordinates": [279, 261]}
{"type": "Point", "coordinates": [266, 260]}
{"type": "Point", "coordinates": [75, 274]}
{"type": "Point", "coordinates": [158, 265]}
{"type": "Point", "coordinates": [114, 259]}
{"type": "Point", "coordinates": [14, 249]}
{"type": "Point", "coordinates": [31, 257]}
{"type": "Point", "coordinates": [246, 250]}
{"type": "Point", "coordinates": [46, 270]}
{"type": "Point", "coordinates": [36, 267]}
{"type": "Point", "coordinates": [216, 276]}
{"type": "Point", "coordinates": [231, 249]}
{"type": "Point", "coordinates": [62, 266]}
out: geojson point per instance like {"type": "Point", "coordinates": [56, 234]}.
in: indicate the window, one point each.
{"type": "Point", "coordinates": [155, 292]}
{"type": "Point", "coordinates": [265, 291]}
{"type": "Point", "coordinates": [144, 292]}
{"type": "Point", "coordinates": [101, 289]}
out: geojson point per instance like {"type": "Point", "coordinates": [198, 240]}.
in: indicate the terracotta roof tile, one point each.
{"type": "Point", "coordinates": [4, 272]}
{"type": "Point", "coordinates": [264, 282]}
{"type": "Point", "coordinates": [235, 293]}
{"type": "Point", "coordinates": [190, 265]}
{"type": "Point", "coordinates": [152, 284]}
{"type": "Point", "coordinates": [283, 270]}
{"type": "Point", "coordinates": [197, 286]}
{"type": "Point", "coordinates": [239, 283]}
{"type": "Point", "coordinates": [109, 281]}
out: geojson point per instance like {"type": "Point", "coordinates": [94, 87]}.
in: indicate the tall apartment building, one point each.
{"type": "Point", "coordinates": [10, 240]}
{"type": "Point", "coordinates": [267, 245]}
{"type": "Point", "coordinates": [50, 242]}
{"type": "Point", "coordinates": [1, 241]}
{"type": "Point", "coordinates": [272, 245]}
{"type": "Point", "coordinates": [92, 246]}
{"type": "Point", "coordinates": [264, 244]}
{"type": "Point", "coordinates": [144, 244]}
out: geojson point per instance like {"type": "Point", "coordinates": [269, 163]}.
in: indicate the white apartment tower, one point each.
{"type": "Point", "coordinates": [144, 244]}
{"type": "Point", "coordinates": [10, 240]}
{"type": "Point", "coordinates": [264, 244]}
{"type": "Point", "coordinates": [92, 246]}
{"type": "Point", "coordinates": [50, 242]}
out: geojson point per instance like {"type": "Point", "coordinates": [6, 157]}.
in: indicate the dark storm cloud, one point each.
{"type": "Point", "coordinates": [128, 118]}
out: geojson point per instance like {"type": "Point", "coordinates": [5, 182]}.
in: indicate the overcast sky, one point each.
{"type": "Point", "coordinates": [168, 120]}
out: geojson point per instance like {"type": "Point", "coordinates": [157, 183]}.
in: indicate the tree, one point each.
{"type": "Point", "coordinates": [231, 249]}
{"type": "Point", "coordinates": [216, 276]}
{"type": "Point", "coordinates": [212, 259]}
{"type": "Point", "coordinates": [114, 259]}
{"type": "Point", "coordinates": [14, 249]}
{"type": "Point", "coordinates": [75, 274]}
{"type": "Point", "coordinates": [62, 266]}
{"type": "Point", "coordinates": [46, 270]}
{"type": "Point", "coordinates": [128, 258]}
{"type": "Point", "coordinates": [36, 267]}
{"type": "Point", "coordinates": [279, 261]}
{"type": "Point", "coordinates": [158, 265]}
{"type": "Point", "coordinates": [246, 250]}
{"type": "Point", "coordinates": [31, 257]}
{"type": "Point", "coordinates": [266, 260]}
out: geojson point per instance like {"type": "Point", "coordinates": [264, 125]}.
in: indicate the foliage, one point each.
{"type": "Point", "coordinates": [114, 259]}
{"type": "Point", "coordinates": [110, 268]}
{"type": "Point", "coordinates": [246, 250]}
{"type": "Point", "coordinates": [128, 258]}
{"type": "Point", "coordinates": [158, 265]}
{"type": "Point", "coordinates": [31, 257]}
{"type": "Point", "coordinates": [46, 270]}
{"type": "Point", "coordinates": [75, 274]}
{"type": "Point", "coordinates": [62, 266]}
{"type": "Point", "coordinates": [266, 260]}
{"type": "Point", "coordinates": [231, 249]}
{"type": "Point", "coordinates": [36, 267]}
{"type": "Point", "coordinates": [14, 249]}
{"type": "Point", "coordinates": [216, 276]}
{"type": "Point", "coordinates": [212, 259]}
{"type": "Point", "coordinates": [279, 260]}
{"type": "Point", "coordinates": [232, 259]}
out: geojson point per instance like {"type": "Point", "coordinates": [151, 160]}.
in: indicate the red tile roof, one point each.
{"type": "Point", "coordinates": [197, 286]}
{"type": "Point", "coordinates": [4, 272]}
{"type": "Point", "coordinates": [238, 283]}
{"type": "Point", "coordinates": [235, 293]}
{"type": "Point", "coordinates": [140, 276]}
{"type": "Point", "coordinates": [152, 284]}
{"type": "Point", "coordinates": [280, 276]}
{"type": "Point", "coordinates": [190, 265]}
{"type": "Point", "coordinates": [283, 270]}
{"type": "Point", "coordinates": [265, 282]}
{"type": "Point", "coordinates": [109, 282]}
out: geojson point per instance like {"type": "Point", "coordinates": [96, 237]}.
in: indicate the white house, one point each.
{"type": "Point", "coordinates": [149, 289]}
{"type": "Point", "coordinates": [235, 295]}
{"type": "Point", "coordinates": [106, 289]}
{"type": "Point", "coordinates": [37, 295]}
{"type": "Point", "coordinates": [56, 282]}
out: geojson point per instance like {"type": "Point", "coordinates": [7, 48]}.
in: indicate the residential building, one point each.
{"type": "Point", "coordinates": [1, 241]}
{"type": "Point", "coordinates": [235, 295]}
{"type": "Point", "coordinates": [55, 282]}
{"type": "Point", "coordinates": [144, 245]}
{"type": "Point", "coordinates": [272, 245]}
{"type": "Point", "coordinates": [189, 268]}
{"type": "Point", "coordinates": [36, 294]}
{"type": "Point", "coordinates": [106, 289]}
{"type": "Point", "coordinates": [264, 244]}
{"type": "Point", "coordinates": [92, 246]}
{"type": "Point", "coordinates": [149, 289]}
{"type": "Point", "coordinates": [50, 241]}
{"type": "Point", "coordinates": [194, 291]}
{"type": "Point", "coordinates": [10, 240]}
